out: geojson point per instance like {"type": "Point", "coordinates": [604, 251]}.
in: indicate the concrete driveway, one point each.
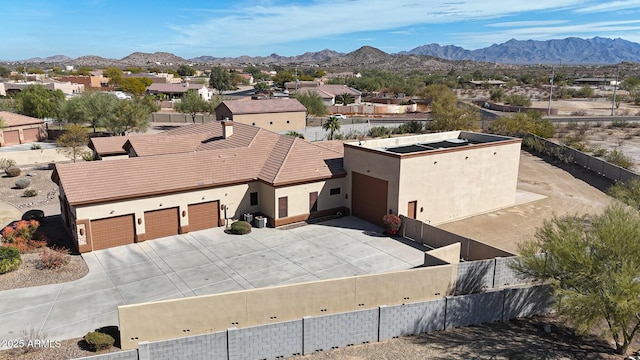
{"type": "Point", "coordinates": [199, 263]}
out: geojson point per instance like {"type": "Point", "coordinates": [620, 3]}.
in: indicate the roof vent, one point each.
{"type": "Point", "coordinates": [227, 128]}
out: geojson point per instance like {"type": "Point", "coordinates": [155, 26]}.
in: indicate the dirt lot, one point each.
{"type": "Point", "coordinates": [47, 198]}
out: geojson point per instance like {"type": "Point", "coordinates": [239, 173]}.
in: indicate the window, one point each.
{"type": "Point", "coordinates": [335, 191]}
{"type": "Point", "coordinates": [253, 198]}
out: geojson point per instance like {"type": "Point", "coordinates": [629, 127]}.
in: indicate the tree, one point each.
{"type": "Point", "coordinates": [283, 77]}
{"type": "Point", "coordinates": [186, 70]}
{"type": "Point", "coordinates": [136, 86]}
{"type": "Point", "coordinates": [592, 266]}
{"type": "Point", "coordinates": [332, 125]}
{"type": "Point", "coordinates": [262, 86]}
{"type": "Point", "coordinates": [496, 94]}
{"type": "Point", "coordinates": [220, 79]}
{"type": "Point", "coordinates": [522, 123]}
{"type": "Point", "coordinates": [73, 141]}
{"type": "Point", "coordinates": [95, 108]}
{"type": "Point", "coordinates": [295, 134]}
{"type": "Point", "coordinates": [38, 101]}
{"type": "Point", "coordinates": [517, 100]}
{"type": "Point", "coordinates": [345, 98]}
{"type": "Point", "coordinates": [4, 72]}
{"type": "Point", "coordinates": [114, 74]}
{"type": "Point", "coordinates": [131, 115]}
{"type": "Point", "coordinates": [313, 102]}
{"type": "Point", "coordinates": [192, 103]}
{"type": "Point", "coordinates": [445, 113]}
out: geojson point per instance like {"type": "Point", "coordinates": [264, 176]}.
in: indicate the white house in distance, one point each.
{"type": "Point", "coordinates": [176, 91]}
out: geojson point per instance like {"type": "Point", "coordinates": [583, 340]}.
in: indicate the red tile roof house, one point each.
{"type": "Point", "coordinates": [176, 91]}
{"type": "Point", "coordinates": [20, 129]}
{"type": "Point", "coordinates": [202, 175]}
{"type": "Point", "coordinates": [194, 178]}
{"type": "Point", "coordinates": [271, 114]}
{"type": "Point", "coordinates": [327, 92]}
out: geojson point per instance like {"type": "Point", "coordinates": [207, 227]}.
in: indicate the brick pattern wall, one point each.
{"type": "Point", "coordinates": [411, 319]}
{"type": "Point", "coordinates": [474, 309]}
{"type": "Point", "coordinates": [209, 346]}
{"type": "Point", "coordinates": [340, 330]}
{"type": "Point", "coordinates": [120, 355]}
{"type": "Point", "coordinates": [475, 276]}
{"type": "Point", "coordinates": [273, 341]}
{"type": "Point", "coordinates": [504, 275]}
{"type": "Point", "coordinates": [524, 302]}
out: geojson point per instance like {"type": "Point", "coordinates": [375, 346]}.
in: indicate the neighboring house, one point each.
{"type": "Point", "coordinates": [200, 176]}
{"type": "Point", "coordinates": [328, 93]}
{"type": "Point", "coordinates": [68, 88]}
{"type": "Point", "coordinates": [594, 81]}
{"type": "Point", "coordinates": [156, 78]}
{"type": "Point", "coordinates": [89, 82]}
{"type": "Point", "coordinates": [20, 129]}
{"type": "Point", "coordinates": [487, 83]}
{"type": "Point", "coordinates": [108, 148]}
{"type": "Point", "coordinates": [271, 114]}
{"type": "Point", "coordinates": [434, 178]}
{"type": "Point", "coordinates": [194, 178]}
{"type": "Point", "coordinates": [176, 91]}
{"type": "Point", "coordinates": [247, 77]}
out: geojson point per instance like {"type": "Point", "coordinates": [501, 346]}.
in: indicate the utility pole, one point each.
{"type": "Point", "coordinates": [553, 75]}
{"type": "Point", "coordinates": [615, 87]}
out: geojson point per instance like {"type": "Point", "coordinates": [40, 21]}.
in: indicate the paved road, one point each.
{"type": "Point", "coordinates": [199, 263]}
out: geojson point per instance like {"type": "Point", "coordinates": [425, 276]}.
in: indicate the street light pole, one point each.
{"type": "Point", "coordinates": [553, 75]}
{"type": "Point", "coordinates": [615, 87]}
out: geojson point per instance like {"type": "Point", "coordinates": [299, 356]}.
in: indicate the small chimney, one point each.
{"type": "Point", "coordinates": [227, 128]}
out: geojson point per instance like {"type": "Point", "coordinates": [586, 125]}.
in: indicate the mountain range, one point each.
{"type": "Point", "coordinates": [571, 50]}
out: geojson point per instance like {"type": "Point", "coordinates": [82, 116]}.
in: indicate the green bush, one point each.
{"type": "Point", "coordinates": [30, 193]}
{"type": "Point", "coordinates": [240, 228]}
{"type": "Point", "coordinates": [619, 158]}
{"type": "Point", "coordinates": [36, 147]}
{"type": "Point", "coordinates": [411, 127]}
{"type": "Point", "coordinates": [628, 192]}
{"type": "Point", "coordinates": [517, 100]}
{"type": "Point", "coordinates": [7, 163]}
{"type": "Point", "coordinates": [13, 171]}
{"type": "Point", "coordinates": [10, 259]}
{"type": "Point", "coordinates": [99, 341]}
{"type": "Point", "coordinates": [379, 131]}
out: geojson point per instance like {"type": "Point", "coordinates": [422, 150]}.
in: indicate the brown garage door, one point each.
{"type": "Point", "coordinates": [369, 200]}
{"type": "Point", "coordinates": [203, 216]}
{"type": "Point", "coordinates": [161, 223]}
{"type": "Point", "coordinates": [110, 232]}
{"type": "Point", "coordinates": [31, 135]}
{"type": "Point", "coordinates": [11, 137]}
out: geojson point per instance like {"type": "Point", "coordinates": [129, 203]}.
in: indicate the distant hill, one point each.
{"type": "Point", "coordinates": [50, 59]}
{"type": "Point", "coordinates": [157, 58]}
{"type": "Point", "coordinates": [567, 51]}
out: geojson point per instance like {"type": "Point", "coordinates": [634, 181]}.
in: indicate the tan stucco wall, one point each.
{"type": "Point", "coordinates": [169, 319]}
{"type": "Point", "coordinates": [457, 184]}
{"type": "Point", "coordinates": [275, 121]}
{"type": "Point", "coordinates": [298, 195]}
{"type": "Point", "coordinates": [375, 165]}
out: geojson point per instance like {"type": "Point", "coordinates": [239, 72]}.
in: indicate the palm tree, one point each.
{"type": "Point", "coordinates": [345, 98]}
{"type": "Point", "coordinates": [332, 125]}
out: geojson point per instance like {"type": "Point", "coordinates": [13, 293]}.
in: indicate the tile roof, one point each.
{"type": "Point", "coordinates": [339, 89]}
{"type": "Point", "coordinates": [111, 145]}
{"type": "Point", "coordinates": [173, 88]}
{"type": "Point", "coordinates": [263, 106]}
{"type": "Point", "coordinates": [203, 159]}
{"type": "Point", "coordinates": [11, 119]}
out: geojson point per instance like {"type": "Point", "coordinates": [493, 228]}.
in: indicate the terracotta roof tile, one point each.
{"type": "Point", "coordinates": [108, 145]}
{"type": "Point", "coordinates": [11, 119]}
{"type": "Point", "coordinates": [202, 159]}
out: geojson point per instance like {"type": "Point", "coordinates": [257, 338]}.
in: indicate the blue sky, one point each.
{"type": "Point", "coordinates": [117, 28]}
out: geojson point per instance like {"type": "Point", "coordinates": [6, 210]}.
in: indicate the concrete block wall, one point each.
{"type": "Point", "coordinates": [120, 355]}
{"type": "Point", "coordinates": [339, 330]}
{"type": "Point", "coordinates": [475, 276]}
{"type": "Point", "coordinates": [527, 301]}
{"type": "Point", "coordinates": [474, 309]}
{"type": "Point", "coordinates": [205, 346]}
{"type": "Point", "coordinates": [504, 275]}
{"type": "Point", "coordinates": [272, 341]}
{"type": "Point", "coordinates": [411, 319]}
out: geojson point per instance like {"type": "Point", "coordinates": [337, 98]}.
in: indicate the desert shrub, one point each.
{"type": "Point", "coordinates": [13, 171]}
{"type": "Point", "coordinates": [517, 100]}
{"type": "Point", "coordinates": [87, 155]}
{"type": "Point", "coordinates": [99, 341]}
{"type": "Point", "coordinates": [391, 223]}
{"type": "Point", "coordinates": [240, 228]}
{"type": "Point", "coordinates": [411, 127]}
{"type": "Point", "coordinates": [628, 192]}
{"type": "Point", "coordinates": [523, 123]}
{"type": "Point", "coordinates": [579, 113]}
{"type": "Point", "coordinates": [30, 193]}
{"type": "Point", "coordinates": [23, 183]}
{"type": "Point", "coordinates": [52, 258]}
{"type": "Point", "coordinates": [496, 94]}
{"type": "Point", "coordinates": [619, 158]}
{"type": "Point", "coordinates": [22, 236]}
{"type": "Point", "coordinates": [7, 163]}
{"type": "Point", "coordinates": [379, 131]}
{"type": "Point", "coordinates": [36, 147]}
{"type": "Point", "coordinates": [10, 259]}
{"type": "Point", "coordinates": [599, 152]}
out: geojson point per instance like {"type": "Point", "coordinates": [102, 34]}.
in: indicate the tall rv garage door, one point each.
{"type": "Point", "coordinates": [369, 201]}
{"type": "Point", "coordinates": [204, 216]}
{"type": "Point", "coordinates": [161, 223]}
{"type": "Point", "coordinates": [11, 137]}
{"type": "Point", "coordinates": [31, 135]}
{"type": "Point", "coordinates": [110, 232]}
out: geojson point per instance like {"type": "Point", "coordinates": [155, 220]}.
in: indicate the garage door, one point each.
{"type": "Point", "coordinates": [11, 137]}
{"type": "Point", "coordinates": [203, 216]}
{"type": "Point", "coordinates": [31, 135]}
{"type": "Point", "coordinates": [110, 232]}
{"type": "Point", "coordinates": [161, 223]}
{"type": "Point", "coordinates": [369, 200]}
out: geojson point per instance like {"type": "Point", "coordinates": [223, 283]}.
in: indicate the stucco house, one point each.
{"type": "Point", "coordinates": [176, 91]}
{"type": "Point", "coordinates": [271, 114]}
{"type": "Point", "coordinates": [328, 93]}
{"type": "Point", "coordinates": [200, 176]}
{"type": "Point", "coordinates": [20, 129]}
